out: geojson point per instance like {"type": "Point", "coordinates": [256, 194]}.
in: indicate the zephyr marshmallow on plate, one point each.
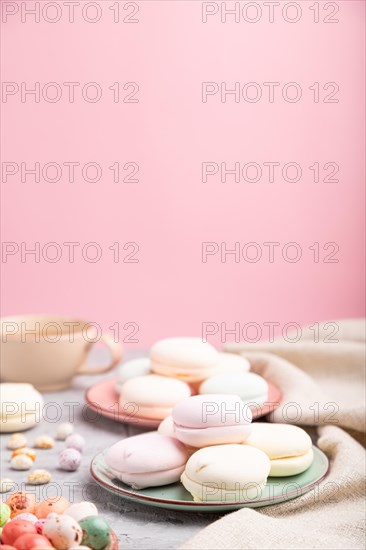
{"type": "Point", "coordinates": [166, 426]}
{"type": "Point", "coordinates": [231, 363]}
{"type": "Point", "coordinates": [288, 447]}
{"type": "Point", "coordinates": [152, 396]}
{"type": "Point", "coordinates": [189, 359]}
{"type": "Point", "coordinates": [147, 460]}
{"type": "Point", "coordinates": [250, 387]}
{"type": "Point", "coordinates": [225, 473]}
{"type": "Point", "coordinates": [131, 369]}
{"type": "Point", "coordinates": [203, 420]}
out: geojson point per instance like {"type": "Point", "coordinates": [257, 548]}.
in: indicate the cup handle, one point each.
{"type": "Point", "coordinates": [116, 351]}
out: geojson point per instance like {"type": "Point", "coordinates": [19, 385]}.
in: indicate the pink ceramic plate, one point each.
{"type": "Point", "coordinates": [103, 399]}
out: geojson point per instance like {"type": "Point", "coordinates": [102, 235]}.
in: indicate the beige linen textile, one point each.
{"type": "Point", "coordinates": [325, 384]}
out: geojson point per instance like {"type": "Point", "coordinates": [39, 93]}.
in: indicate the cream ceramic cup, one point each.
{"type": "Point", "coordinates": [49, 351]}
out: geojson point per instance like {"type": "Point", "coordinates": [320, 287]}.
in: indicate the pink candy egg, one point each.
{"type": "Point", "coordinates": [15, 529]}
{"type": "Point", "coordinates": [32, 542]}
{"type": "Point", "coordinates": [69, 459]}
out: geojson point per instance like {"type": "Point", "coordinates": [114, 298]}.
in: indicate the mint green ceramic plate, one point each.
{"type": "Point", "coordinates": [175, 497]}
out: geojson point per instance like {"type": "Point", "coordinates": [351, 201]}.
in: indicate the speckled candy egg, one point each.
{"type": "Point", "coordinates": [39, 477]}
{"type": "Point", "coordinates": [96, 532]}
{"type": "Point", "coordinates": [75, 441]}
{"type": "Point", "coordinates": [15, 529]}
{"type": "Point", "coordinates": [69, 460]}
{"type": "Point", "coordinates": [53, 504]}
{"type": "Point", "coordinates": [28, 517]}
{"type": "Point", "coordinates": [25, 451]}
{"type": "Point", "coordinates": [32, 542]}
{"type": "Point", "coordinates": [44, 442]}
{"type": "Point", "coordinates": [16, 441]}
{"type": "Point", "coordinates": [81, 510]}
{"type": "Point", "coordinates": [4, 513]}
{"type": "Point", "coordinates": [63, 532]}
{"type": "Point", "coordinates": [21, 502]}
{"type": "Point", "coordinates": [21, 462]}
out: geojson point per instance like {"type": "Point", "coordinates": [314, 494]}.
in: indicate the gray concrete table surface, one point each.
{"type": "Point", "coordinates": [136, 525]}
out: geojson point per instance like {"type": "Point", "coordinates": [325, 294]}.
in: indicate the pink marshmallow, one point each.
{"type": "Point", "coordinates": [147, 460]}
{"type": "Point", "coordinates": [216, 419]}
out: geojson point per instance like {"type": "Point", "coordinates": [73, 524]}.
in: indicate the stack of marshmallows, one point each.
{"type": "Point", "coordinates": [208, 440]}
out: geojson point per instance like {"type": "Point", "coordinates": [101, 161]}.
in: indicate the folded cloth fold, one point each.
{"type": "Point", "coordinates": [323, 385]}
{"type": "Point", "coordinates": [322, 378]}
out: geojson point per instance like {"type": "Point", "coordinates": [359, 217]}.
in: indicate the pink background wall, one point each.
{"type": "Point", "coordinates": [170, 132]}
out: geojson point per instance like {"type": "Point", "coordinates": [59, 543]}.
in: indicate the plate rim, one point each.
{"type": "Point", "coordinates": [152, 422]}
{"type": "Point", "coordinates": [213, 504]}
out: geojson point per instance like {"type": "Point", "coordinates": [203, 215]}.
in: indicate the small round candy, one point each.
{"type": "Point", "coordinates": [21, 462]}
{"type": "Point", "coordinates": [28, 517]}
{"type": "Point", "coordinates": [20, 502]}
{"type": "Point", "coordinates": [38, 477]}
{"type": "Point", "coordinates": [4, 513]}
{"type": "Point", "coordinates": [15, 529]}
{"type": "Point", "coordinates": [64, 430]}
{"type": "Point", "coordinates": [96, 532]}
{"type": "Point", "coordinates": [44, 442]}
{"type": "Point", "coordinates": [81, 510]}
{"type": "Point", "coordinates": [16, 441]}
{"type": "Point", "coordinates": [69, 460]}
{"type": "Point", "coordinates": [6, 485]}
{"type": "Point", "coordinates": [53, 504]}
{"type": "Point", "coordinates": [32, 542]}
{"type": "Point", "coordinates": [63, 532]}
{"type": "Point", "coordinates": [75, 441]}
{"type": "Point", "coordinates": [25, 451]}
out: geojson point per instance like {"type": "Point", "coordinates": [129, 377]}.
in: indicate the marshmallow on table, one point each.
{"type": "Point", "coordinates": [20, 407]}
